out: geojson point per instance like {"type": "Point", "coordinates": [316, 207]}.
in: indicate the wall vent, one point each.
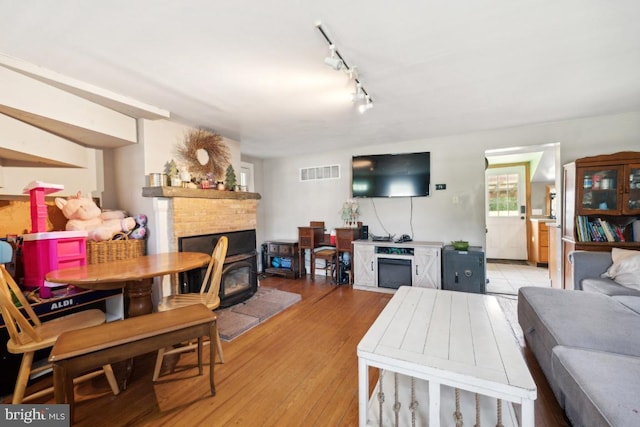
{"type": "Point", "coordinates": [317, 173]}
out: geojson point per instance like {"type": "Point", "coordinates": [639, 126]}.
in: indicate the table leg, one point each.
{"type": "Point", "coordinates": [301, 267]}
{"type": "Point", "coordinates": [138, 302]}
{"type": "Point", "coordinates": [434, 404]}
{"type": "Point", "coordinates": [528, 415]}
{"type": "Point", "coordinates": [363, 392]}
{"type": "Point", "coordinates": [175, 284]}
{"type": "Point", "coordinates": [138, 297]}
{"type": "Point", "coordinates": [59, 377]}
{"type": "Point", "coordinates": [213, 335]}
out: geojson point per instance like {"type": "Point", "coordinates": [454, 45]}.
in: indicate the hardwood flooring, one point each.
{"type": "Point", "coordinates": [297, 369]}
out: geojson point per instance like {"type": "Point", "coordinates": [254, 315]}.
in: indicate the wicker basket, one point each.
{"type": "Point", "coordinates": [114, 250]}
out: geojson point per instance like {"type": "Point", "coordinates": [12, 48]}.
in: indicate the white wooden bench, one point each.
{"type": "Point", "coordinates": [79, 351]}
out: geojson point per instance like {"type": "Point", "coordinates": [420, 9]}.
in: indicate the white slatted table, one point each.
{"type": "Point", "coordinates": [454, 339]}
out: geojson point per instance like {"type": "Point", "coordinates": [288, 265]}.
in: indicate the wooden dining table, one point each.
{"type": "Point", "coordinates": [134, 276]}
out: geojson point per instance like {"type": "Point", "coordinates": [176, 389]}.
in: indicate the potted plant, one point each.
{"type": "Point", "coordinates": [171, 169]}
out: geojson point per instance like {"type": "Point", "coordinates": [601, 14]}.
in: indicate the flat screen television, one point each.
{"type": "Point", "coordinates": [391, 175]}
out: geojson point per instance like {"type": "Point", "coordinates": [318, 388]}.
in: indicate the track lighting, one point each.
{"type": "Point", "coordinates": [358, 95]}
{"type": "Point", "coordinates": [353, 73]}
{"type": "Point", "coordinates": [367, 104]}
{"type": "Point", "coordinates": [333, 61]}
{"type": "Point", "coordinates": [337, 62]}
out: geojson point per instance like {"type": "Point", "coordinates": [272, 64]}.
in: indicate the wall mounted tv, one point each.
{"type": "Point", "coordinates": [391, 175]}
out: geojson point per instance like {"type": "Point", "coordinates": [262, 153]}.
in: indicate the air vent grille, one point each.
{"type": "Point", "coordinates": [318, 173]}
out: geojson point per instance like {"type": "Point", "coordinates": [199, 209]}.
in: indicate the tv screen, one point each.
{"type": "Point", "coordinates": [391, 175]}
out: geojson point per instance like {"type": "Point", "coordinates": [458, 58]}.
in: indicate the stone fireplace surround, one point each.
{"type": "Point", "coordinates": [184, 212]}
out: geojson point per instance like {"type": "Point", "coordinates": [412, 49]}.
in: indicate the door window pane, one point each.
{"type": "Point", "coordinates": [502, 195]}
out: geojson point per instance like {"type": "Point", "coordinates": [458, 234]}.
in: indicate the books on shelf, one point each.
{"type": "Point", "coordinates": [598, 230]}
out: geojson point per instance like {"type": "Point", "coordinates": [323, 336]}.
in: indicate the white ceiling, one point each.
{"type": "Point", "coordinates": [253, 70]}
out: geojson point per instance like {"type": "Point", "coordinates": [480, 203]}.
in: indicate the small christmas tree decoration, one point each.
{"type": "Point", "coordinates": [230, 178]}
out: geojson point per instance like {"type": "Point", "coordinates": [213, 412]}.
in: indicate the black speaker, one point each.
{"type": "Point", "coordinates": [365, 232]}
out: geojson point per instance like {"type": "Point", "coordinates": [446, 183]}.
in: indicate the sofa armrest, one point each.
{"type": "Point", "coordinates": [588, 264]}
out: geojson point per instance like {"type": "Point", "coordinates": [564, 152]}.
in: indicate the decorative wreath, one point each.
{"type": "Point", "coordinates": [204, 152]}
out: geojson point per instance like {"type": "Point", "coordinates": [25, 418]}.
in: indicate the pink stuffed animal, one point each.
{"type": "Point", "coordinates": [84, 215]}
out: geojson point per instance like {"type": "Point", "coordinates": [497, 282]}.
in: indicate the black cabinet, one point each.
{"type": "Point", "coordinates": [464, 270]}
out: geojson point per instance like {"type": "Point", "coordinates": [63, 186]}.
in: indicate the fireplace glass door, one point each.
{"type": "Point", "coordinates": [237, 279]}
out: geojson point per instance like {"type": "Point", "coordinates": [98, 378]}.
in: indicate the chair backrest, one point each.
{"type": "Point", "coordinates": [211, 283]}
{"type": "Point", "coordinates": [19, 327]}
{"type": "Point", "coordinates": [316, 224]}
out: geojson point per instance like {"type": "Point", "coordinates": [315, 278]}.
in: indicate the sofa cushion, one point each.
{"type": "Point", "coordinates": [625, 269]}
{"type": "Point", "coordinates": [631, 302]}
{"type": "Point", "coordinates": [551, 317]}
{"type": "Point", "coordinates": [607, 287]}
{"type": "Point", "coordinates": [597, 388]}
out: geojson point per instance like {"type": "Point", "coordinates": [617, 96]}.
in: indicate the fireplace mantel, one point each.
{"type": "Point", "coordinates": [198, 193]}
{"type": "Point", "coordinates": [181, 212]}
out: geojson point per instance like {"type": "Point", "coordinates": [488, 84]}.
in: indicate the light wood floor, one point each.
{"type": "Point", "coordinates": [297, 369]}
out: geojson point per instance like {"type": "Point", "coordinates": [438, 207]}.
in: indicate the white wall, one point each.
{"type": "Point", "coordinates": [538, 195]}
{"type": "Point", "coordinates": [258, 182]}
{"type": "Point", "coordinates": [457, 161]}
{"type": "Point", "coordinates": [158, 140]}
{"type": "Point", "coordinates": [83, 165]}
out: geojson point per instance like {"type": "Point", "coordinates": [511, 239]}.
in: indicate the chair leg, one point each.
{"type": "Point", "coordinates": [162, 352]}
{"type": "Point", "coordinates": [199, 355]}
{"type": "Point", "coordinates": [23, 377]}
{"type": "Point", "coordinates": [111, 379]}
{"type": "Point", "coordinates": [219, 347]}
{"type": "Point", "coordinates": [156, 370]}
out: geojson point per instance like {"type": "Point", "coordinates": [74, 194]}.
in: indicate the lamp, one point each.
{"type": "Point", "coordinates": [333, 61]}
{"type": "Point", "coordinates": [337, 62]}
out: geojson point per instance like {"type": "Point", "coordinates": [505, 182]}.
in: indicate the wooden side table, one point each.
{"type": "Point", "coordinates": [286, 251]}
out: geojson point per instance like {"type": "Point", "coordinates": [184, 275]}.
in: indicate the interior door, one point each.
{"type": "Point", "coordinates": [506, 212]}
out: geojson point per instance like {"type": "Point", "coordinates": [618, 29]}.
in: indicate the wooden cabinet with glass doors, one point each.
{"type": "Point", "coordinates": [601, 202]}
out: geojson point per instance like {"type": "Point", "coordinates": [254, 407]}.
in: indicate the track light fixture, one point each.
{"type": "Point", "coordinates": [333, 61]}
{"type": "Point", "coordinates": [365, 105]}
{"type": "Point", "coordinates": [337, 62]}
{"type": "Point", "coordinates": [353, 73]}
{"type": "Point", "coordinates": [358, 95]}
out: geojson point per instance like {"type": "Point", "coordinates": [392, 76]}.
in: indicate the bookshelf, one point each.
{"type": "Point", "coordinates": [601, 203]}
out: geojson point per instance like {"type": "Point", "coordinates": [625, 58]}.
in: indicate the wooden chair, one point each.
{"type": "Point", "coordinates": [311, 238]}
{"type": "Point", "coordinates": [28, 335]}
{"type": "Point", "coordinates": [208, 295]}
{"type": "Point", "coordinates": [323, 253]}
{"type": "Point", "coordinates": [329, 256]}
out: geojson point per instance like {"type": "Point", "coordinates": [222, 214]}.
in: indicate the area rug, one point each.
{"type": "Point", "coordinates": [265, 303]}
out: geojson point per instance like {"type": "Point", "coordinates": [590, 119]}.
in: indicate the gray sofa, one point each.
{"type": "Point", "coordinates": [587, 344]}
{"type": "Point", "coordinates": [587, 268]}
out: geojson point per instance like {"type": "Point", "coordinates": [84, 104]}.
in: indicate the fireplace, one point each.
{"type": "Point", "coordinates": [394, 272]}
{"type": "Point", "coordinates": [239, 273]}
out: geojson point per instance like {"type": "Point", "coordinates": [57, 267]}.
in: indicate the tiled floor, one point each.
{"type": "Point", "coordinates": [508, 278]}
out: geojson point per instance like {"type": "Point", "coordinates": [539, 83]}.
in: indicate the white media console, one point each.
{"type": "Point", "coordinates": [384, 266]}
